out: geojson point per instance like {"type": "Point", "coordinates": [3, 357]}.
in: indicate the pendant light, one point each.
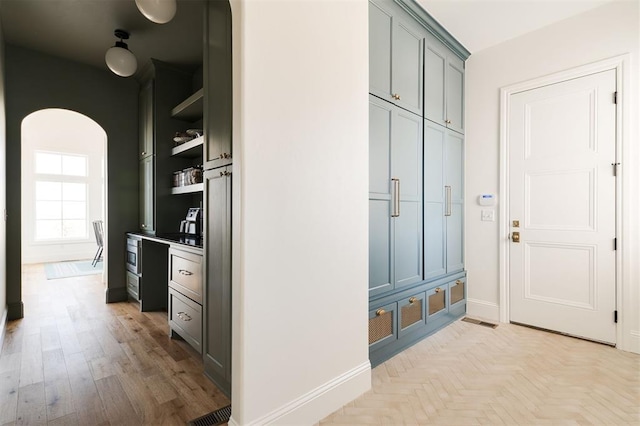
{"type": "Point", "coordinates": [119, 58]}
{"type": "Point", "coordinates": [158, 11]}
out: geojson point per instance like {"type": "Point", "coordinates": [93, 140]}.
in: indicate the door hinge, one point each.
{"type": "Point", "coordinates": [615, 244]}
{"type": "Point", "coordinates": [615, 168]}
{"type": "Point", "coordinates": [615, 316]}
{"type": "Point", "coordinates": [615, 98]}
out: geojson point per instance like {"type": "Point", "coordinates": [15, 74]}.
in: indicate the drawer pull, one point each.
{"type": "Point", "coordinates": [438, 290]}
{"type": "Point", "coordinates": [184, 272]}
{"type": "Point", "coordinates": [380, 312]}
{"type": "Point", "coordinates": [184, 316]}
{"type": "Point", "coordinates": [458, 282]}
{"type": "Point", "coordinates": [412, 300]}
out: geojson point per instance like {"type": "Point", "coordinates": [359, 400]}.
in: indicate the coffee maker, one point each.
{"type": "Point", "coordinates": [191, 224]}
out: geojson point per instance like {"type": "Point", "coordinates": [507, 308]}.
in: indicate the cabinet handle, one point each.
{"type": "Point", "coordinates": [447, 121]}
{"type": "Point", "coordinates": [412, 300]}
{"type": "Point", "coordinates": [184, 272]}
{"type": "Point", "coordinates": [438, 290]}
{"type": "Point", "coordinates": [143, 153]}
{"type": "Point", "coordinates": [224, 155]}
{"type": "Point", "coordinates": [396, 197]}
{"type": "Point", "coordinates": [396, 96]}
{"type": "Point", "coordinates": [184, 316]}
{"type": "Point", "coordinates": [143, 225]}
{"type": "Point", "coordinates": [458, 282]}
{"type": "Point", "coordinates": [447, 193]}
{"type": "Point", "coordinates": [380, 312]}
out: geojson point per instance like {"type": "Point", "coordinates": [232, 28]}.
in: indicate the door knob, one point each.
{"type": "Point", "coordinates": [515, 237]}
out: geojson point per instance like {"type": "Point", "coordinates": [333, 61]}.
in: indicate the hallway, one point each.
{"type": "Point", "coordinates": [74, 360]}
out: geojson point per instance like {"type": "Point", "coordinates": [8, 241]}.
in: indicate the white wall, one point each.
{"type": "Point", "coordinates": [58, 130]}
{"type": "Point", "coordinates": [300, 267]}
{"type": "Point", "coordinates": [601, 33]}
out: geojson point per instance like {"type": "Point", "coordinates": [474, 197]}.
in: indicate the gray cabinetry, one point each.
{"type": "Point", "coordinates": [163, 86]}
{"type": "Point", "coordinates": [217, 296]}
{"type": "Point", "coordinates": [395, 197]}
{"type": "Point", "coordinates": [417, 282]}
{"type": "Point", "coordinates": [217, 85]}
{"type": "Point", "coordinates": [185, 294]}
{"type": "Point", "coordinates": [443, 201]}
{"type": "Point", "coordinates": [395, 56]}
{"type": "Point", "coordinates": [443, 86]}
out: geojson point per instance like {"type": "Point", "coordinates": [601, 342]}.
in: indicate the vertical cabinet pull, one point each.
{"type": "Point", "coordinates": [447, 194]}
{"type": "Point", "coordinates": [396, 197]}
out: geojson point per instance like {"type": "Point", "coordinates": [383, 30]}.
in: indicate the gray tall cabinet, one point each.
{"type": "Point", "coordinates": [417, 281]}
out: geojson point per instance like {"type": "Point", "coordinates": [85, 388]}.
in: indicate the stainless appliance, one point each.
{"type": "Point", "coordinates": [192, 223]}
{"type": "Point", "coordinates": [134, 260]}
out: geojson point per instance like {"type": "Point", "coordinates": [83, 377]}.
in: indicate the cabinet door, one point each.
{"type": "Point", "coordinates": [434, 200]}
{"type": "Point", "coordinates": [407, 66]}
{"type": "Point", "coordinates": [411, 314]}
{"type": "Point", "coordinates": [217, 85]}
{"type": "Point", "coordinates": [443, 86]}
{"type": "Point", "coordinates": [454, 158]}
{"type": "Point", "coordinates": [455, 94]}
{"type": "Point", "coordinates": [380, 27]}
{"type": "Point", "coordinates": [217, 306]}
{"type": "Point", "coordinates": [147, 192]}
{"type": "Point", "coordinates": [380, 221]}
{"type": "Point", "coordinates": [435, 67]}
{"type": "Point", "coordinates": [406, 171]}
{"type": "Point", "coordinates": [146, 118]}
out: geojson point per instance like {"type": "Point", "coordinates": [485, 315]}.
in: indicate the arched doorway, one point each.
{"type": "Point", "coordinates": [63, 191]}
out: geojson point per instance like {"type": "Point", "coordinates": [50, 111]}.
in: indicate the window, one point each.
{"type": "Point", "coordinates": [60, 196]}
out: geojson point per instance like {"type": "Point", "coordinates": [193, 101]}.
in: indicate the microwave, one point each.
{"type": "Point", "coordinates": [133, 254]}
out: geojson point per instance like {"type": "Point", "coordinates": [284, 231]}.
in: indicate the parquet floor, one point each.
{"type": "Point", "coordinates": [74, 360]}
{"type": "Point", "coordinates": [467, 374]}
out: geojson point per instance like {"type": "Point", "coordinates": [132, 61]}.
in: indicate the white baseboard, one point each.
{"type": "Point", "coordinates": [483, 310]}
{"type": "Point", "coordinates": [320, 402]}
{"type": "Point", "coordinates": [631, 342]}
{"type": "Point", "coordinates": [3, 326]}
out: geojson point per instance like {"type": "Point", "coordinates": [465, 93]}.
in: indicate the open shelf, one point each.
{"type": "Point", "coordinates": [190, 109]}
{"type": "Point", "coordinates": [189, 149]}
{"type": "Point", "coordinates": [188, 189]}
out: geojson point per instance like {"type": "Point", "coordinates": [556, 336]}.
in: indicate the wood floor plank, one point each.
{"type": "Point", "coordinates": [9, 385]}
{"type": "Point", "coordinates": [32, 367]}
{"type": "Point", "coordinates": [54, 367]}
{"type": "Point", "coordinates": [31, 405]}
{"type": "Point", "coordinates": [59, 399]}
{"type": "Point", "coordinates": [116, 402]}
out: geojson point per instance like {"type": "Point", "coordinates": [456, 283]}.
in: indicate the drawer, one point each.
{"type": "Point", "coordinates": [457, 292]}
{"type": "Point", "coordinates": [411, 313]}
{"type": "Point", "coordinates": [383, 325]}
{"type": "Point", "coordinates": [133, 285]}
{"type": "Point", "coordinates": [185, 271]}
{"type": "Point", "coordinates": [437, 302]}
{"type": "Point", "coordinates": [185, 318]}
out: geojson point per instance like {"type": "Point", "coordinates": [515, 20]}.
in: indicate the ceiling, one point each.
{"type": "Point", "coordinates": [479, 24]}
{"type": "Point", "coordinates": [82, 30]}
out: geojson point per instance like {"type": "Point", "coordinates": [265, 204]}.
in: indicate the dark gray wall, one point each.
{"type": "Point", "coordinates": [35, 81]}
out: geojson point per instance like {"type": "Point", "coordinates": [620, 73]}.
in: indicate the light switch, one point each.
{"type": "Point", "coordinates": [488, 216]}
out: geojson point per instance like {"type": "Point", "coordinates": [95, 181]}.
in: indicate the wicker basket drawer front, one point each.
{"type": "Point", "coordinates": [412, 313]}
{"type": "Point", "coordinates": [383, 325]}
{"type": "Point", "coordinates": [456, 292]}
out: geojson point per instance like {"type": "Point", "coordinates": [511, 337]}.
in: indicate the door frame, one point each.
{"type": "Point", "coordinates": [621, 64]}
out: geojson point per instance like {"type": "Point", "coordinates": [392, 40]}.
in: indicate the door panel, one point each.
{"type": "Point", "coordinates": [380, 115]}
{"type": "Point", "coordinates": [434, 88]}
{"type": "Point", "coordinates": [407, 155]}
{"type": "Point", "coordinates": [455, 260]}
{"type": "Point", "coordinates": [380, 248]}
{"type": "Point", "coordinates": [434, 240]}
{"type": "Point", "coordinates": [406, 77]}
{"type": "Point", "coordinates": [562, 190]}
{"type": "Point", "coordinates": [380, 24]}
{"type": "Point", "coordinates": [455, 95]}
{"type": "Point", "coordinates": [408, 244]}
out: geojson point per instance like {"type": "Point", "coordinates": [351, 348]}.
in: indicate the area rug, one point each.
{"type": "Point", "coordinates": [77, 268]}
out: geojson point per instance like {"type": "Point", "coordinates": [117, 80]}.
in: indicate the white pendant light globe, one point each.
{"type": "Point", "coordinates": [119, 58]}
{"type": "Point", "coordinates": [158, 11]}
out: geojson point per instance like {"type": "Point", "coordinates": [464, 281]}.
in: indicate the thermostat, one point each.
{"type": "Point", "coordinates": [486, 199]}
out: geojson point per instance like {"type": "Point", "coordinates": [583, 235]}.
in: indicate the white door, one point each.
{"type": "Point", "coordinates": [562, 193]}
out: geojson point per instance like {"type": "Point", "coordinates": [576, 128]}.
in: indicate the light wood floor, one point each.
{"type": "Point", "coordinates": [74, 360]}
{"type": "Point", "coordinates": [467, 374]}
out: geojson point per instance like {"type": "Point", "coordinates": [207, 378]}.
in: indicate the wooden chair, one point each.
{"type": "Point", "coordinates": [99, 231]}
